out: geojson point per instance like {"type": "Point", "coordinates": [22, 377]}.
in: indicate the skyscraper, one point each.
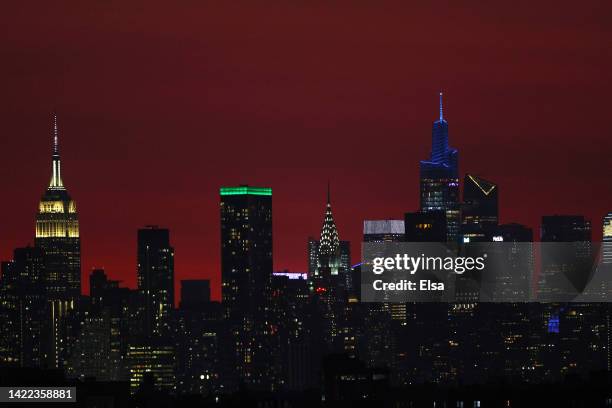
{"type": "Point", "coordinates": [479, 215]}
{"type": "Point", "coordinates": [9, 315]}
{"type": "Point", "coordinates": [566, 275]}
{"type": "Point", "coordinates": [246, 274]}
{"type": "Point", "coordinates": [329, 276]}
{"type": "Point", "coordinates": [155, 277]}
{"type": "Point", "coordinates": [110, 324]}
{"type": "Point", "coordinates": [329, 244]}
{"type": "Point", "coordinates": [57, 234]}
{"type": "Point", "coordinates": [22, 309]}
{"type": "Point", "coordinates": [510, 273]}
{"type": "Point", "coordinates": [566, 256]}
{"type": "Point", "coordinates": [329, 256]}
{"type": "Point", "coordinates": [383, 230]}
{"type": "Point", "coordinates": [439, 178]}
{"type": "Point", "coordinates": [566, 228]}
{"type": "Point", "coordinates": [246, 248]}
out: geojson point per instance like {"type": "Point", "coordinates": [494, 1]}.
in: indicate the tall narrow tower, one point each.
{"type": "Point", "coordinates": [328, 256]}
{"type": "Point", "coordinates": [57, 233]}
{"type": "Point", "coordinates": [156, 278]}
{"type": "Point", "coordinates": [479, 211]}
{"type": "Point", "coordinates": [246, 249]}
{"type": "Point", "coordinates": [440, 177]}
{"type": "Point", "coordinates": [329, 244]}
{"type": "Point", "coordinates": [246, 273]}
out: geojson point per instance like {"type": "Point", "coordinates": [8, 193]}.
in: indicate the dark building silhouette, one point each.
{"type": "Point", "coordinates": [155, 278]}
{"type": "Point", "coordinates": [480, 198]}
{"type": "Point", "coordinates": [106, 322]}
{"type": "Point", "coordinates": [440, 178]}
{"type": "Point", "coordinates": [479, 214]}
{"type": "Point", "coordinates": [427, 226]}
{"type": "Point", "coordinates": [349, 380]}
{"type": "Point", "coordinates": [194, 293]}
{"type": "Point", "coordinates": [567, 256]}
{"type": "Point", "coordinates": [514, 233]}
{"type": "Point", "coordinates": [479, 218]}
{"type": "Point", "coordinates": [246, 273]}
{"type": "Point", "coordinates": [24, 319]}
{"type": "Point", "coordinates": [100, 286]}
{"type": "Point", "coordinates": [9, 333]}
{"type": "Point", "coordinates": [95, 352]}
{"type": "Point", "coordinates": [510, 260]}
{"type": "Point", "coordinates": [199, 362]}
{"type": "Point", "coordinates": [576, 329]}
{"type": "Point", "coordinates": [291, 317]}
{"type": "Point", "coordinates": [122, 302]}
{"type": "Point", "coordinates": [113, 312]}
{"type": "Point", "coordinates": [246, 248]}
{"type": "Point", "coordinates": [565, 228]}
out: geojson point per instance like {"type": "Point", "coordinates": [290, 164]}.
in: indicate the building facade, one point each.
{"type": "Point", "coordinates": [383, 230]}
{"type": "Point", "coordinates": [329, 256]}
{"type": "Point", "coordinates": [57, 234]}
{"type": "Point", "coordinates": [246, 247]}
{"type": "Point", "coordinates": [246, 273]}
{"type": "Point", "coordinates": [479, 212]}
{"type": "Point", "coordinates": [439, 180]}
{"type": "Point", "coordinates": [155, 278]}
{"type": "Point", "coordinates": [567, 256]}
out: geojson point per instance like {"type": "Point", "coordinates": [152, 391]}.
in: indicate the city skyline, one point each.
{"type": "Point", "coordinates": [127, 280]}
{"type": "Point", "coordinates": [525, 95]}
{"type": "Point", "coordinates": [306, 204]}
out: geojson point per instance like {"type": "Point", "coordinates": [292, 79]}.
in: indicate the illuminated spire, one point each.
{"type": "Point", "coordinates": [441, 110]}
{"type": "Point", "coordinates": [56, 177]}
{"type": "Point", "coordinates": [330, 242]}
{"type": "Point", "coordinates": [55, 139]}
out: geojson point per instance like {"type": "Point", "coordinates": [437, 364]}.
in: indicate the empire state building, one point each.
{"type": "Point", "coordinates": [57, 233]}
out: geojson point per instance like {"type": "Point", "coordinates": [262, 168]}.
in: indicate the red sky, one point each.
{"type": "Point", "coordinates": [161, 104]}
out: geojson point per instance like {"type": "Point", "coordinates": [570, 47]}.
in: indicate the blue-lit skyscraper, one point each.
{"type": "Point", "coordinates": [440, 177]}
